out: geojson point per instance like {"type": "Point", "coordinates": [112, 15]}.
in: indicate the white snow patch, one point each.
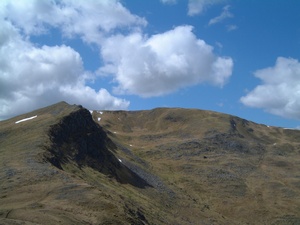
{"type": "Point", "coordinates": [130, 145]}
{"type": "Point", "coordinates": [91, 111]}
{"type": "Point", "coordinates": [274, 143]}
{"type": "Point", "coordinates": [99, 118]}
{"type": "Point", "coordinates": [120, 160]}
{"type": "Point", "coordinates": [30, 118]}
{"type": "Point", "coordinates": [115, 132]}
{"type": "Point", "coordinates": [101, 112]}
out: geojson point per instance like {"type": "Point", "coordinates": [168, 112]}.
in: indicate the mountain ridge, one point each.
{"type": "Point", "coordinates": [163, 166]}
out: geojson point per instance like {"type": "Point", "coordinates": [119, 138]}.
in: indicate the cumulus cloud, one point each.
{"type": "Point", "coordinates": [162, 63]}
{"type": "Point", "coordinates": [31, 77]}
{"type": "Point", "coordinates": [279, 92]}
{"type": "Point", "coordinates": [91, 21]}
{"type": "Point", "coordinates": [224, 15]}
{"type": "Point", "coordinates": [196, 7]}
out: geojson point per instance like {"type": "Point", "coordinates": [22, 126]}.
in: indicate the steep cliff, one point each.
{"type": "Point", "coordinates": [77, 138]}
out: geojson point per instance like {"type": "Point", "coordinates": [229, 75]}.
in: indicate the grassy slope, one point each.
{"type": "Point", "coordinates": [32, 191]}
{"type": "Point", "coordinates": [205, 168]}
{"type": "Point", "coordinates": [221, 168]}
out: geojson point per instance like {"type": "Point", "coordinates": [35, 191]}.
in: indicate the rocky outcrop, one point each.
{"type": "Point", "coordinates": [78, 139]}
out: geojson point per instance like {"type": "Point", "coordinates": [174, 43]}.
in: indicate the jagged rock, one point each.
{"type": "Point", "coordinates": [78, 138]}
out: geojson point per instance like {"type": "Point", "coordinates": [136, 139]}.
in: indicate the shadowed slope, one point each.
{"type": "Point", "coordinates": [77, 138]}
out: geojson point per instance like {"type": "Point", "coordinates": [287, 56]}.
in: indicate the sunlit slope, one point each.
{"type": "Point", "coordinates": [64, 164]}
{"type": "Point", "coordinates": [230, 169]}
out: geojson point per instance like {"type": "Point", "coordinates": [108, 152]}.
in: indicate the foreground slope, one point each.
{"type": "Point", "coordinates": [57, 166]}
{"type": "Point", "coordinates": [64, 164]}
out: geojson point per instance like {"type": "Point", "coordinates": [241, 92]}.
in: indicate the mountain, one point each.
{"type": "Point", "coordinates": [64, 164]}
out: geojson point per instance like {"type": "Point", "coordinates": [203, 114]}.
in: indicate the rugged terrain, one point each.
{"type": "Point", "coordinates": [64, 164]}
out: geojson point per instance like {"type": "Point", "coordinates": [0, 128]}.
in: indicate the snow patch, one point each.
{"type": "Point", "coordinates": [101, 112]}
{"type": "Point", "coordinates": [120, 160]}
{"type": "Point", "coordinates": [29, 118]}
{"type": "Point", "coordinates": [115, 132]}
{"type": "Point", "coordinates": [91, 111]}
{"type": "Point", "coordinates": [130, 145]}
{"type": "Point", "coordinates": [99, 119]}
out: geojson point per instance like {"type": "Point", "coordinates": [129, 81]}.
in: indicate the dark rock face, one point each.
{"type": "Point", "coordinates": [233, 142]}
{"type": "Point", "coordinates": [79, 139]}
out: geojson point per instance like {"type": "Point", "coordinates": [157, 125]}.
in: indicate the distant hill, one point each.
{"type": "Point", "coordinates": [64, 164]}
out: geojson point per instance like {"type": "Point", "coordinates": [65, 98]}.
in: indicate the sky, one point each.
{"type": "Point", "coordinates": [240, 57]}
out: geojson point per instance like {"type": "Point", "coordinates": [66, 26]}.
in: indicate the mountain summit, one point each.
{"type": "Point", "coordinates": [64, 164]}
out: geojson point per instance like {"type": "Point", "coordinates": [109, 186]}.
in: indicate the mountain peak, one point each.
{"type": "Point", "coordinates": [66, 164]}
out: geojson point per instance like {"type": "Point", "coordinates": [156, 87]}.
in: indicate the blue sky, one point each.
{"type": "Point", "coordinates": [232, 56]}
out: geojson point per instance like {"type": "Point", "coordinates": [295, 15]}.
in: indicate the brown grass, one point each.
{"type": "Point", "coordinates": [206, 168]}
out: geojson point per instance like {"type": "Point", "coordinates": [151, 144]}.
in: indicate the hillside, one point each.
{"type": "Point", "coordinates": [64, 164]}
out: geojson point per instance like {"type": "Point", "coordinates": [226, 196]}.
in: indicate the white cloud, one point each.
{"type": "Point", "coordinates": [31, 77]}
{"type": "Point", "coordinates": [92, 20]}
{"type": "Point", "coordinates": [224, 15]}
{"type": "Point", "coordinates": [90, 98]}
{"type": "Point", "coordinates": [231, 27]}
{"type": "Point", "coordinates": [28, 15]}
{"type": "Point", "coordinates": [89, 20]}
{"type": "Point", "coordinates": [163, 63]}
{"type": "Point", "coordinates": [280, 92]}
{"type": "Point", "coordinates": [196, 7]}
{"type": "Point", "coordinates": [169, 1]}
